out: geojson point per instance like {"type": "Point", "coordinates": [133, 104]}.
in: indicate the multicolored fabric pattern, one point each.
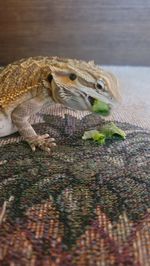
{"type": "Point", "coordinates": [84, 205]}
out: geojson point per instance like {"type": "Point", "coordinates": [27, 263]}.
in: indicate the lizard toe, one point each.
{"type": "Point", "coordinates": [43, 142]}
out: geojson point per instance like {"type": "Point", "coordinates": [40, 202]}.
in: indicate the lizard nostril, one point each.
{"type": "Point", "coordinates": [91, 100]}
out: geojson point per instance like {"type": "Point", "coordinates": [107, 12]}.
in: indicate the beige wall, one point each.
{"type": "Point", "coordinates": [109, 31]}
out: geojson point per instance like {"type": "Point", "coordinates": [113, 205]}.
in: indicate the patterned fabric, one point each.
{"type": "Point", "coordinates": [84, 205]}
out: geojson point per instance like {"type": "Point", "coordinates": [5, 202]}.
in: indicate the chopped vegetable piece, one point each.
{"type": "Point", "coordinates": [101, 108]}
{"type": "Point", "coordinates": [108, 131]}
{"type": "Point", "coordinates": [95, 135]}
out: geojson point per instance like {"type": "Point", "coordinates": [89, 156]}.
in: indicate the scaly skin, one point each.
{"type": "Point", "coordinates": [26, 85]}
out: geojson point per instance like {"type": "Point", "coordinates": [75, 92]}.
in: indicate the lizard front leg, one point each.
{"type": "Point", "coordinates": [20, 117]}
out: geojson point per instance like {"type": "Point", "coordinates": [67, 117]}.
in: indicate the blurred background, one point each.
{"type": "Point", "coordinates": [112, 32]}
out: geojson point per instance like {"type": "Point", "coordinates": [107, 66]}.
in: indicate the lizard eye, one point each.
{"type": "Point", "coordinates": [72, 76]}
{"type": "Point", "coordinates": [49, 77]}
{"type": "Point", "coordinates": [100, 85]}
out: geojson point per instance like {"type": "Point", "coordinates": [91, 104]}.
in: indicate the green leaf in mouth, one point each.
{"type": "Point", "coordinates": [101, 108]}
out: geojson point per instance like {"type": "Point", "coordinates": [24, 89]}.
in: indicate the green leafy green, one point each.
{"type": "Point", "coordinates": [108, 131]}
{"type": "Point", "coordinates": [101, 108]}
{"type": "Point", "coordinates": [95, 135]}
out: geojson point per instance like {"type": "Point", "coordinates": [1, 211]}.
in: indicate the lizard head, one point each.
{"type": "Point", "coordinates": [77, 84]}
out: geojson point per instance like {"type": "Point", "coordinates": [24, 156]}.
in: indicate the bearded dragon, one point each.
{"type": "Point", "coordinates": [27, 84]}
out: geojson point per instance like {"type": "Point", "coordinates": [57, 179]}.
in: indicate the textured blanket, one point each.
{"type": "Point", "coordinates": [85, 204]}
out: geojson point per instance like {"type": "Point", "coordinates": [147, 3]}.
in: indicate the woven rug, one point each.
{"type": "Point", "coordinates": [84, 204]}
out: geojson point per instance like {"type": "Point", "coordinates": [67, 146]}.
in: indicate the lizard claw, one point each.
{"type": "Point", "coordinates": [43, 142]}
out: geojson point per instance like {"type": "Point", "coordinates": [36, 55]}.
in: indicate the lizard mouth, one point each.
{"type": "Point", "coordinates": [91, 100]}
